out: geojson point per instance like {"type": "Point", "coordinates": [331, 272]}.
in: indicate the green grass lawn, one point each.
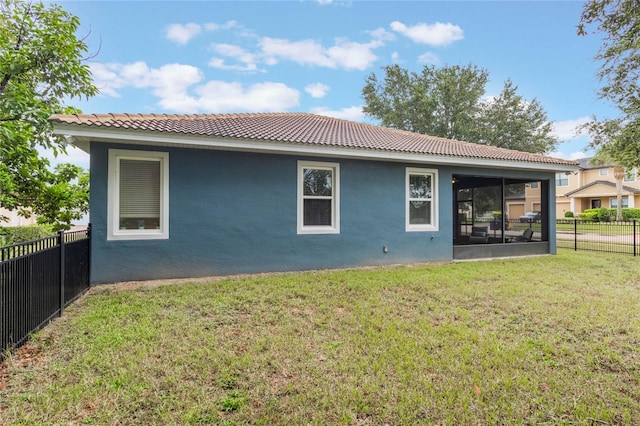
{"type": "Point", "coordinates": [544, 340]}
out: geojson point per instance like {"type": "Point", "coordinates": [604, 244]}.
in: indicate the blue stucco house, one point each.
{"type": "Point", "coordinates": [197, 195]}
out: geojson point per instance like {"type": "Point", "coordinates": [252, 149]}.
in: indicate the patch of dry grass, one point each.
{"type": "Point", "coordinates": [538, 340]}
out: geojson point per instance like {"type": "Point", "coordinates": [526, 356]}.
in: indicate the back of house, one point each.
{"type": "Point", "coordinates": [197, 195]}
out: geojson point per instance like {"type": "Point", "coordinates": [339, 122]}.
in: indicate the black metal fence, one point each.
{"type": "Point", "coordinates": [38, 279]}
{"type": "Point", "coordinates": [610, 237]}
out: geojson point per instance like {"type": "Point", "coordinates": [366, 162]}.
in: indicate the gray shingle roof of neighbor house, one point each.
{"type": "Point", "coordinates": [293, 129]}
{"type": "Point", "coordinates": [585, 163]}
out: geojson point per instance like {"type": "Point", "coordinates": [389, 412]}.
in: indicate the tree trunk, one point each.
{"type": "Point", "coordinates": [618, 174]}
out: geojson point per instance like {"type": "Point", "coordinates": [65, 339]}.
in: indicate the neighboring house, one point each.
{"type": "Point", "coordinates": [528, 201]}
{"type": "Point", "coordinates": [196, 195]}
{"type": "Point", "coordinates": [14, 219]}
{"type": "Point", "coordinates": [594, 186]}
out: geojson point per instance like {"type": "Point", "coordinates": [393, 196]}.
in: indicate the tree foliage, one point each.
{"type": "Point", "coordinates": [618, 21]}
{"type": "Point", "coordinates": [510, 121]}
{"type": "Point", "coordinates": [438, 101]}
{"type": "Point", "coordinates": [448, 102]}
{"type": "Point", "coordinates": [41, 66]}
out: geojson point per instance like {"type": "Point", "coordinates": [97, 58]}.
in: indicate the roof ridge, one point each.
{"type": "Point", "coordinates": [187, 116]}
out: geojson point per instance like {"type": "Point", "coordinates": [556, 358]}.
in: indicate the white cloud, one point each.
{"type": "Point", "coordinates": [182, 33]}
{"type": "Point", "coordinates": [306, 52]}
{"type": "Point", "coordinates": [215, 27]}
{"type": "Point", "coordinates": [221, 64]}
{"type": "Point", "coordinates": [352, 55]}
{"type": "Point", "coordinates": [568, 155]}
{"type": "Point", "coordinates": [343, 54]}
{"type": "Point", "coordinates": [437, 34]}
{"type": "Point", "coordinates": [428, 58]}
{"type": "Point", "coordinates": [234, 51]}
{"type": "Point", "coordinates": [574, 146]}
{"type": "Point", "coordinates": [317, 90]}
{"type": "Point", "coordinates": [169, 82]}
{"type": "Point", "coordinates": [179, 90]}
{"type": "Point", "coordinates": [395, 57]}
{"type": "Point", "coordinates": [567, 130]}
{"type": "Point", "coordinates": [166, 81]}
{"type": "Point", "coordinates": [106, 79]}
{"type": "Point", "coordinates": [74, 155]}
{"type": "Point", "coordinates": [247, 59]}
{"type": "Point", "coordinates": [221, 96]}
{"type": "Point", "coordinates": [350, 113]}
{"type": "Point", "coordinates": [325, 2]}
{"type": "Point", "coordinates": [382, 35]}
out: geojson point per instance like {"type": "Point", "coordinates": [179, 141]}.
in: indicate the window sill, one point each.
{"type": "Point", "coordinates": [138, 235]}
{"type": "Point", "coordinates": [318, 230]}
{"type": "Point", "coordinates": [421, 229]}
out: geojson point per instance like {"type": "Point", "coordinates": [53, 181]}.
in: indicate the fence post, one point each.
{"type": "Point", "coordinates": [62, 261]}
{"type": "Point", "coordinates": [89, 256]}
{"type": "Point", "coordinates": [635, 239]}
{"type": "Point", "coordinates": [575, 234]}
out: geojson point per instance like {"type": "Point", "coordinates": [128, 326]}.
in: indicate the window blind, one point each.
{"type": "Point", "coordinates": [139, 188]}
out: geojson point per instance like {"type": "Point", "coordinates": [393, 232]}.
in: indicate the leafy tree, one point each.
{"type": "Point", "coordinates": [448, 102]}
{"type": "Point", "coordinates": [619, 21]}
{"type": "Point", "coordinates": [438, 101]}
{"type": "Point", "coordinates": [60, 192]}
{"type": "Point", "coordinates": [509, 121]}
{"type": "Point", "coordinates": [40, 67]}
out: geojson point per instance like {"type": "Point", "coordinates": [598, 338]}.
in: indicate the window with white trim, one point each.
{"type": "Point", "coordinates": [613, 202]}
{"type": "Point", "coordinates": [630, 175]}
{"type": "Point", "coordinates": [138, 198]}
{"type": "Point", "coordinates": [421, 200]}
{"type": "Point", "coordinates": [562, 179]}
{"type": "Point", "coordinates": [604, 172]}
{"type": "Point", "coordinates": [318, 198]}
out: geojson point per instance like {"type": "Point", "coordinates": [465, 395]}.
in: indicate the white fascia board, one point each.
{"type": "Point", "coordinates": [82, 137]}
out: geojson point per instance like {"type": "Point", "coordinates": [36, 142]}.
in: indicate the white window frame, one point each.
{"type": "Point", "coordinates": [560, 177]}
{"type": "Point", "coordinates": [613, 201]}
{"type": "Point", "coordinates": [113, 198]}
{"type": "Point", "coordinates": [334, 228]}
{"type": "Point", "coordinates": [629, 176]}
{"type": "Point", "coordinates": [433, 226]}
{"type": "Point", "coordinates": [604, 172]}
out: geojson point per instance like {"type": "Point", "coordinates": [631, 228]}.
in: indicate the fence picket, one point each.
{"type": "Point", "coordinates": [37, 280]}
{"type": "Point", "coordinates": [608, 237]}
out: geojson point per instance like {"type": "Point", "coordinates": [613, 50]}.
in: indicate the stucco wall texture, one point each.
{"type": "Point", "coordinates": [234, 213]}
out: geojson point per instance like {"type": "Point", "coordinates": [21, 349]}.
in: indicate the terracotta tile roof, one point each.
{"type": "Point", "coordinates": [301, 128]}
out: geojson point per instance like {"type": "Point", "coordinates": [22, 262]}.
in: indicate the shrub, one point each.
{"type": "Point", "coordinates": [589, 216]}
{"type": "Point", "coordinates": [601, 214]}
{"type": "Point", "coordinates": [20, 234]}
{"type": "Point", "coordinates": [627, 213]}
{"type": "Point", "coordinates": [630, 213]}
{"type": "Point", "coordinates": [568, 214]}
{"type": "Point", "coordinates": [604, 215]}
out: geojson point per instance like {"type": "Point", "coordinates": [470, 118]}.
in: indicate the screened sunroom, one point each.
{"type": "Point", "coordinates": [499, 216]}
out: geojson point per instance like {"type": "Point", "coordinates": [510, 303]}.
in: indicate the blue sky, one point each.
{"type": "Point", "coordinates": [314, 56]}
